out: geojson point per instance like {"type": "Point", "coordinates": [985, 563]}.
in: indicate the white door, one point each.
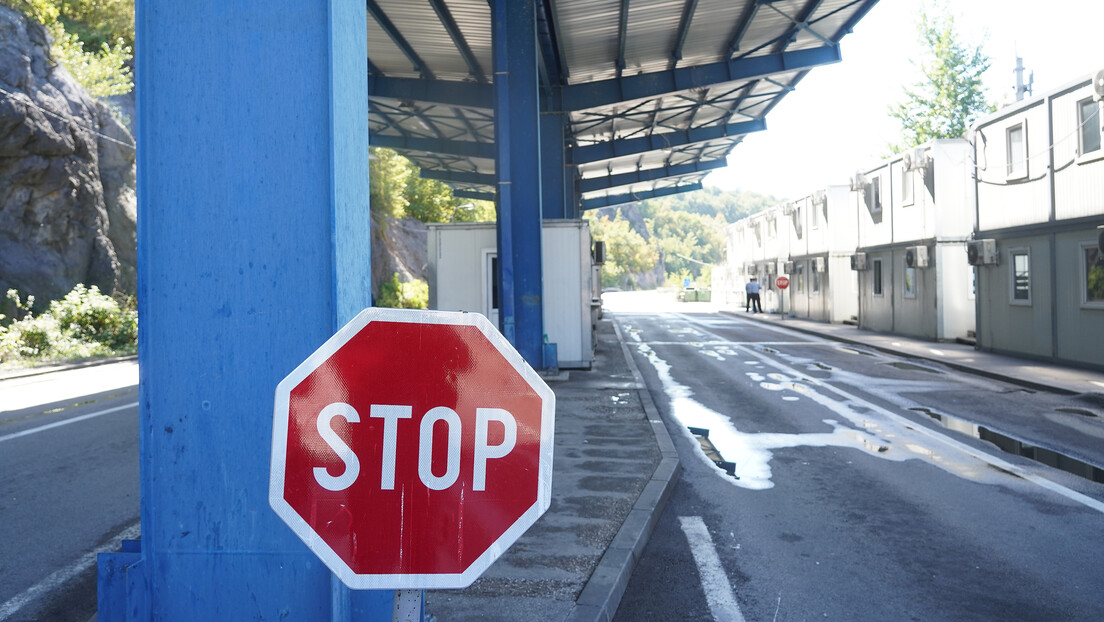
{"type": "Point", "coordinates": [490, 285]}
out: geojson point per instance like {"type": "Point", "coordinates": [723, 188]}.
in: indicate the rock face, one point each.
{"type": "Point", "coordinates": [398, 245]}
{"type": "Point", "coordinates": [67, 177]}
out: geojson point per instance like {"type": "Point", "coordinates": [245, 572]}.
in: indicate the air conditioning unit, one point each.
{"type": "Point", "coordinates": [789, 268]}
{"type": "Point", "coordinates": [858, 182]}
{"type": "Point", "coordinates": [820, 198]}
{"type": "Point", "coordinates": [858, 261]}
{"type": "Point", "coordinates": [982, 252]}
{"type": "Point", "coordinates": [750, 269]}
{"type": "Point", "coordinates": [1098, 85]}
{"type": "Point", "coordinates": [917, 160]}
{"type": "Point", "coordinates": [819, 264]}
{"type": "Point", "coordinates": [916, 257]}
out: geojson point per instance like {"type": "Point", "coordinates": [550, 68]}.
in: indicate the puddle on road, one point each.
{"type": "Point", "coordinates": [913, 367]}
{"type": "Point", "coordinates": [1077, 411]}
{"type": "Point", "coordinates": [1017, 447]}
{"type": "Point", "coordinates": [863, 428]}
{"type": "Point", "coordinates": [855, 351]}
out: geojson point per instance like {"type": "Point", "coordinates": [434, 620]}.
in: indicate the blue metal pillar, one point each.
{"type": "Point", "coordinates": [253, 246]}
{"type": "Point", "coordinates": [557, 183]}
{"type": "Point", "coordinates": [518, 165]}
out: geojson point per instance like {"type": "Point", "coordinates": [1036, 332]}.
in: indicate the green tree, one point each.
{"type": "Point", "coordinates": [92, 39]}
{"type": "Point", "coordinates": [397, 190]}
{"type": "Point", "coordinates": [950, 95]}
{"type": "Point", "coordinates": [99, 22]}
{"type": "Point", "coordinates": [627, 253]}
{"type": "Point", "coordinates": [689, 241]}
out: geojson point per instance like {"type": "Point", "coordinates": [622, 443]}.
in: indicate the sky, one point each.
{"type": "Point", "coordinates": [836, 121]}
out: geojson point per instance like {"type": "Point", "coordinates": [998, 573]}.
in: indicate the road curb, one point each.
{"type": "Point", "coordinates": [602, 593]}
{"type": "Point", "coordinates": [49, 369]}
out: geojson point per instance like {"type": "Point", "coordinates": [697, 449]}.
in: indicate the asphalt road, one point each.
{"type": "Point", "coordinates": [852, 503]}
{"type": "Point", "coordinates": [68, 486]}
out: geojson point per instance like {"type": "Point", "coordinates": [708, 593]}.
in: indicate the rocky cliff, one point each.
{"type": "Point", "coordinates": [67, 177]}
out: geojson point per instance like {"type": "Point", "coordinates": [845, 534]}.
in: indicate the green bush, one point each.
{"type": "Point", "coordinates": [83, 324]}
{"type": "Point", "coordinates": [398, 295]}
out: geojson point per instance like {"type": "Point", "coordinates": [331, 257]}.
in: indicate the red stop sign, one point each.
{"type": "Point", "coordinates": [412, 449]}
{"type": "Point", "coordinates": [782, 282]}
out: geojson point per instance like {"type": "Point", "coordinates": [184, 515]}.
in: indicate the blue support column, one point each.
{"type": "Point", "coordinates": [518, 165]}
{"type": "Point", "coordinates": [554, 200]}
{"type": "Point", "coordinates": [253, 246]}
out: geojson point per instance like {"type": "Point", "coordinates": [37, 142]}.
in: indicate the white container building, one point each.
{"type": "Point", "coordinates": [822, 238]}
{"type": "Point", "coordinates": [1039, 244]}
{"type": "Point", "coordinates": [462, 275]}
{"type": "Point", "coordinates": [913, 215]}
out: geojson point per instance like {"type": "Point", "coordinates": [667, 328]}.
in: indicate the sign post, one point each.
{"type": "Point", "coordinates": [412, 449]}
{"type": "Point", "coordinates": [782, 283]}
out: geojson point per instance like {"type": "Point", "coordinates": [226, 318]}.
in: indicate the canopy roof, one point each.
{"type": "Point", "coordinates": [655, 93]}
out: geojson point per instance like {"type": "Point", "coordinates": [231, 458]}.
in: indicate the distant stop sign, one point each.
{"type": "Point", "coordinates": [412, 449]}
{"type": "Point", "coordinates": [782, 282]}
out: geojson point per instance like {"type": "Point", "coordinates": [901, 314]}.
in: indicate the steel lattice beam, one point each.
{"type": "Point", "coordinates": [666, 140]}
{"type": "Point", "coordinates": [613, 91]}
{"type": "Point", "coordinates": [621, 199]}
{"type": "Point", "coordinates": [594, 184]}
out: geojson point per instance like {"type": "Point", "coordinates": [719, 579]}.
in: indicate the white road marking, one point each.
{"type": "Point", "coordinates": [58, 424]}
{"type": "Point", "coordinates": [59, 577]}
{"type": "Point", "coordinates": [951, 443]}
{"type": "Point", "coordinates": [714, 581]}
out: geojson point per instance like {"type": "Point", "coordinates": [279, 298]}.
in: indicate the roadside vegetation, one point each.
{"type": "Point", "coordinates": [93, 39]}
{"type": "Point", "coordinates": [685, 235]}
{"type": "Point", "coordinates": [398, 191]}
{"type": "Point", "coordinates": [84, 324]}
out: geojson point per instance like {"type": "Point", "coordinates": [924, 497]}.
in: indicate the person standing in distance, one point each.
{"type": "Point", "coordinates": [753, 296]}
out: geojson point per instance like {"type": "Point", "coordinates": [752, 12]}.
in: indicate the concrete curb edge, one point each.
{"type": "Point", "coordinates": [602, 593]}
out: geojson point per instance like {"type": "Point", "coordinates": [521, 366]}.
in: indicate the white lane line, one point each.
{"type": "Point", "coordinates": [718, 591]}
{"type": "Point", "coordinates": [59, 577]}
{"type": "Point", "coordinates": [934, 435]}
{"type": "Point", "coordinates": [58, 424]}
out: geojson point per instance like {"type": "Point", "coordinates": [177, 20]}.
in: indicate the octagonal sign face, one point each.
{"type": "Point", "coordinates": [412, 449]}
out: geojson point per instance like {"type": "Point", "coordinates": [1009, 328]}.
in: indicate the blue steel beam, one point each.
{"type": "Point", "coordinates": [518, 166]}
{"type": "Point", "coordinates": [461, 177]}
{"type": "Point", "coordinates": [474, 194]}
{"type": "Point", "coordinates": [606, 92]}
{"type": "Point", "coordinates": [622, 36]}
{"type": "Point", "coordinates": [656, 142]}
{"type": "Point", "coordinates": [447, 92]}
{"type": "Point", "coordinates": [242, 228]}
{"type": "Point", "coordinates": [595, 184]}
{"type": "Point", "coordinates": [462, 148]}
{"type": "Point", "coordinates": [458, 39]}
{"type": "Point", "coordinates": [617, 90]}
{"type": "Point", "coordinates": [741, 28]}
{"type": "Point", "coordinates": [684, 27]}
{"type": "Point", "coordinates": [621, 199]}
{"type": "Point", "coordinates": [399, 40]}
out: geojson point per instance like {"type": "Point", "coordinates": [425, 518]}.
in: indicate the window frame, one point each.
{"type": "Point", "coordinates": [815, 283]}
{"type": "Point", "coordinates": [875, 204]}
{"type": "Point", "coordinates": [910, 283]}
{"type": "Point", "coordinates": [1095, 154]}
{"type": "Point", "coordinates": [877, 275]}
{"type": "Point", "coordinates": [1013, 253]}
{"type": "Point", "coordinates": [1083, 282]}
{"type": "Point", "coordinates": [1009, 172]}
{"type": "Point", "coordinates": [907, 183]}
